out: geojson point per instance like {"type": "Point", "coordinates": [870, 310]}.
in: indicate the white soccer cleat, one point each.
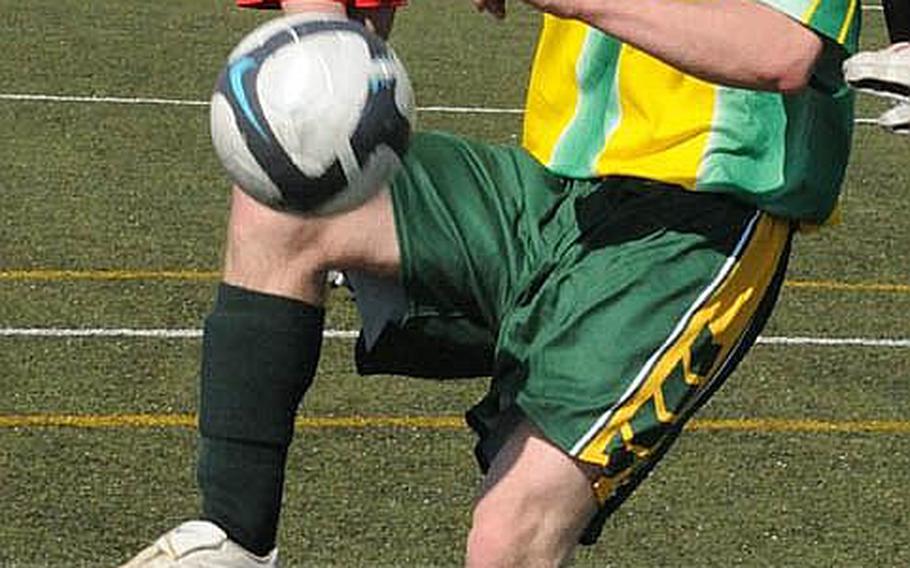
{"type": "Point", "coordinates": [885, 72]}
{"type": "Point", "coordinates": [199, 544]}
{"type": "Point", "coordinates": [897, 119]}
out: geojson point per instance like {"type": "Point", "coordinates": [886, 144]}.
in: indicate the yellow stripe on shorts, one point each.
{"type": "Point", "coordinates": [680, 369]}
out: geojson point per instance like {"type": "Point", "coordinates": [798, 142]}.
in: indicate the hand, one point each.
{"type": "Point", "coordinates": [497, 8]}
{"type": "Point", "coordinates": [568, 9]}
{"type": "Point", "coordinates": [559, 8]}
{"type": "Point", "coordinates": [379, 20]}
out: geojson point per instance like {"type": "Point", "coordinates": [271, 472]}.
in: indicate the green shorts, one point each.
{"type": "Point", "coordinates": [605, 311]}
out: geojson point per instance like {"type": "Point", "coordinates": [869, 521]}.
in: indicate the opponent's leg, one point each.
{"type": "Point", "coordinates": [886, 72]}
{"type": "Point", "coordinates": [534, 505]}
{"type": "Point", "coordinates": [897, 18]}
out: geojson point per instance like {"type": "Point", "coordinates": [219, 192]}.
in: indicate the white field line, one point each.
{"type": "Point", "coordinates": [835, 341]}
{"type": "Point", "coordinates": [38, 97]}
{"type": "Point", "coordinates": [56, 332]}
{"type": "Point", "coordinates": [91, 333]}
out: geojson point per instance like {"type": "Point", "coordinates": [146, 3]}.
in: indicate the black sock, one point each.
{"type": "Point", "coordinates": [259, 356]}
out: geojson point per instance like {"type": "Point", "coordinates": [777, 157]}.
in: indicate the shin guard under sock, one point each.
{"type": "Point", "coordinates": [259, 356]}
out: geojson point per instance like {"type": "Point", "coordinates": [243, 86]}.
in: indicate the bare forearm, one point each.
{"type": "Point", "coordinates": [735, 42]}
{"type": "Point", "coordinates": [739, 43]}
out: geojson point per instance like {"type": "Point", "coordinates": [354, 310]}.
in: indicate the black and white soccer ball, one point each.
{"type": "Point", "coordinates": [311, 114]}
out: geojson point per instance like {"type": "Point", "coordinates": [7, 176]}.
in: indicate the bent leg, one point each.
{"type": "Point", "coordinates": [535, 503]}
{"type": "Point", "coordinates": [261, 348]}
{"type": "Point", "coordinates": [567, 362]}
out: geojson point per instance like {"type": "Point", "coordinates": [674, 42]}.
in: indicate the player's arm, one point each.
{"type": "Point", "coordinates": [740, 43]}
{"type": "Point", "coordinates": [378, 15]}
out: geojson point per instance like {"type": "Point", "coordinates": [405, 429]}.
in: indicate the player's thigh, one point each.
{"type": "Point", "coordinates": [362, 239]}
{"type": "Point", "coordinates": [466, 217]}
{"type": "Point", "coordinates": [638, 323]}
{"type": "Point", "coordinates": [531, 468]}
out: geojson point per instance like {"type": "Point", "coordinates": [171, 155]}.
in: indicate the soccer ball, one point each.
{"type": "Point", "coordinates": [311, 114]}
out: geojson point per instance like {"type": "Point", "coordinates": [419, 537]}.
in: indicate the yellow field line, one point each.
{"type": "Point", "coordinates": [759, 425]}
{"type": "Point", "coordinates": [801, 425]}
{"type": "Point", "coordinates": [101, 421]}
{"type": "Point", "coordinates": [42, 275]}
{"type": "Point", "coordinates": [848, 286]}
{"type": "Point", "coordinates": [67, 275]}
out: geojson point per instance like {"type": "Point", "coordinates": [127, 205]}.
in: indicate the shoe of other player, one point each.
{"type": "Point", "coordinates": [885, 72]}
{"type": "Point", "coordinates": [199, 544]}
{"type": "Point", "coordinates": [897, 119]}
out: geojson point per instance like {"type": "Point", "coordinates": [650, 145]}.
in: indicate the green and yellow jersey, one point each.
{"type": "Point", "coordinates": [598, 107]}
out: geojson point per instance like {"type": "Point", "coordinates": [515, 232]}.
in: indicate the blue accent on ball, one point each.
{"type": "Point", "coordinates": [235, 74]}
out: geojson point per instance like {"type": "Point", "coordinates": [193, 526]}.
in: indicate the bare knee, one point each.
{"type": "Point", "coordinates": [501, 538]}
{"type": "Point", "coordinates": [273, 252]}
{"type": "Point", "coordinates": [531, 534]}
{"type": "Point", "coordinates": [535, 503]}
{"type": "Point", "coordinates": [288, 254]}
